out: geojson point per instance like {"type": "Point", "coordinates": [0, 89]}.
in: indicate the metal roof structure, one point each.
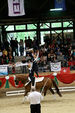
{"type": "Point", "coordinates": [37, 10]}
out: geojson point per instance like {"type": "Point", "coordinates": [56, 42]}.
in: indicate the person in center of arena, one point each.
{"type": "Point", "coordinates": [35, 99]}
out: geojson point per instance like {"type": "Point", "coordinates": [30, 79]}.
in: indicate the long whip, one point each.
{"type": "Point", "coordinates": [44, 85]}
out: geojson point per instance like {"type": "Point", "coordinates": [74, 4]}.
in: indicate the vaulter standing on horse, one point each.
{"type": "Point", "coordinates": [33, 66]}
{"type": "Point", "coordinates": [35, 58]}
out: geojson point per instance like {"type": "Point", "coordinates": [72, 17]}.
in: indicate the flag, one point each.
{"type": "Point", "coordinates": [65, 70]}
{"type": "Point", "coordinates": [60, 4]}
{"type": "Point", "coordinates": [16, 7]}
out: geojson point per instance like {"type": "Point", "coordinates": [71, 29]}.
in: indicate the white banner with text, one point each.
{"type": "Point", "coordinates": [3, 69]}
{"type": "Point", "coordinates": [55, 66]}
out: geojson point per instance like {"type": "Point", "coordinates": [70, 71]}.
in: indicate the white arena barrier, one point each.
{"type": "Point", "coordinates": [13, 93]}
{"type": "Point", "coordinates": [66, 89]}
{"type": "Point", "coordinates": [21, 92]}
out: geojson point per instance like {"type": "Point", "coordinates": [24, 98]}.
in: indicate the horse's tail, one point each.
{"type": "Point", "coordinates": [56, 87]}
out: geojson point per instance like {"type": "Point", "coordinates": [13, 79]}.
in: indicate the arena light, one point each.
{"type": "Point", "coordinates": [56, 9]}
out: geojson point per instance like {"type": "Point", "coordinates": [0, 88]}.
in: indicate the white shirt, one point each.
{"type": "Point", "coordinates": [34, 97]}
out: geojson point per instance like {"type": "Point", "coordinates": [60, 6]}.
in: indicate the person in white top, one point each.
{"type": "Point", "coordinates": [35, 98]}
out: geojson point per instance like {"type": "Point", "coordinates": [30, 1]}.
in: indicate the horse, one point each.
{"type": "Point", "coordinates": [46, 83]}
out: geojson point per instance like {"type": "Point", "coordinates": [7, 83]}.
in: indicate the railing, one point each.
{"type": "Point", "coordinates": [21, 92]}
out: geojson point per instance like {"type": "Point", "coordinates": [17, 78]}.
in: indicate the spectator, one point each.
{"type": "Point", "coordinates": [1, 53]}
{"type": "Point", "coordinates": [7, 60]}
{"type": "Point", "coordinates": [26, 42]}
{"type": "Point", "coordinates": [6, 44]}
{"type": "Point", "coordinates": [56, 48]}
{"type": "Point", "coordinates": [51, 56]}
{"type": "Point", "coordinates": [16, 47]}
{"type": "Point", "coordinates": [73, 54]}
{"type": "Point", "coordinates": [62, 60]}
{"type": "Point", "coordinates": [35, 42]}
{"type": "Point", "coordinates": [5, 52]}
{"type": "Point", "coordinates": [55, 59]}
{"type": "Point", "coordinates": [66, 53]}
{"type": "Point", "coordinates": [12, 45]}
{"type": "Point", "coordinates": [71, 64]}
{"type": "Point", "coordinates": [58, 52]}
{"type": "Point", "coordinates": [28, 57]}
{"type": "Point", "coordinates": [21, 47]}
{"type": "Point", "coordinates": [24, 69]}
{"type": "Point", "coordinates": [62, 48]}
{"type": "Point", "coordinates": [29, 42]}
{"type": "Point", "coordinates": [60, 57]}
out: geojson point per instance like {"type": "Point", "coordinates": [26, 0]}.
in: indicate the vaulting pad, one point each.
{"type": "Point", "coordinates": [39, 79]}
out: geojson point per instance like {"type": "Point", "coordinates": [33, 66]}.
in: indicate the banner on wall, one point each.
{"type": "Point", "coordinates": [55, 66]}
{"type": "Point", "coordinates": [16, 7]}
{"type": "Point", "coordinates": [60, 4]}
{"type": "Point", "coordinates": [3, 70]}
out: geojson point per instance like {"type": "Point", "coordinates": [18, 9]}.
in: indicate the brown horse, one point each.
{"type": "Point", "coordinates": [44, 85]}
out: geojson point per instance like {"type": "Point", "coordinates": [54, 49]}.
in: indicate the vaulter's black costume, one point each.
{"type": "Point", "coordinates": [34, 68]}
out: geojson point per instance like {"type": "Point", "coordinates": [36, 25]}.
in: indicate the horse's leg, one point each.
{"type": "Point", "coordinates": [25, 95]}
{"type": "Point", "coordinates": [56, 87]}
{"type": "Point", "coordinates": [45, 91]}
{"type": "Point", "coordinates": [24, 99]}
{"type": "Point", "coordinates": [51, 90]}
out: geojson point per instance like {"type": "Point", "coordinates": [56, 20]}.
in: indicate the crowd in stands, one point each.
{"type": "Point", "coordinates": [54, 51]}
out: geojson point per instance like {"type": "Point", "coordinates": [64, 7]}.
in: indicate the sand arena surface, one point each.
{"type": "Point", "coordinates": [50, 104]}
